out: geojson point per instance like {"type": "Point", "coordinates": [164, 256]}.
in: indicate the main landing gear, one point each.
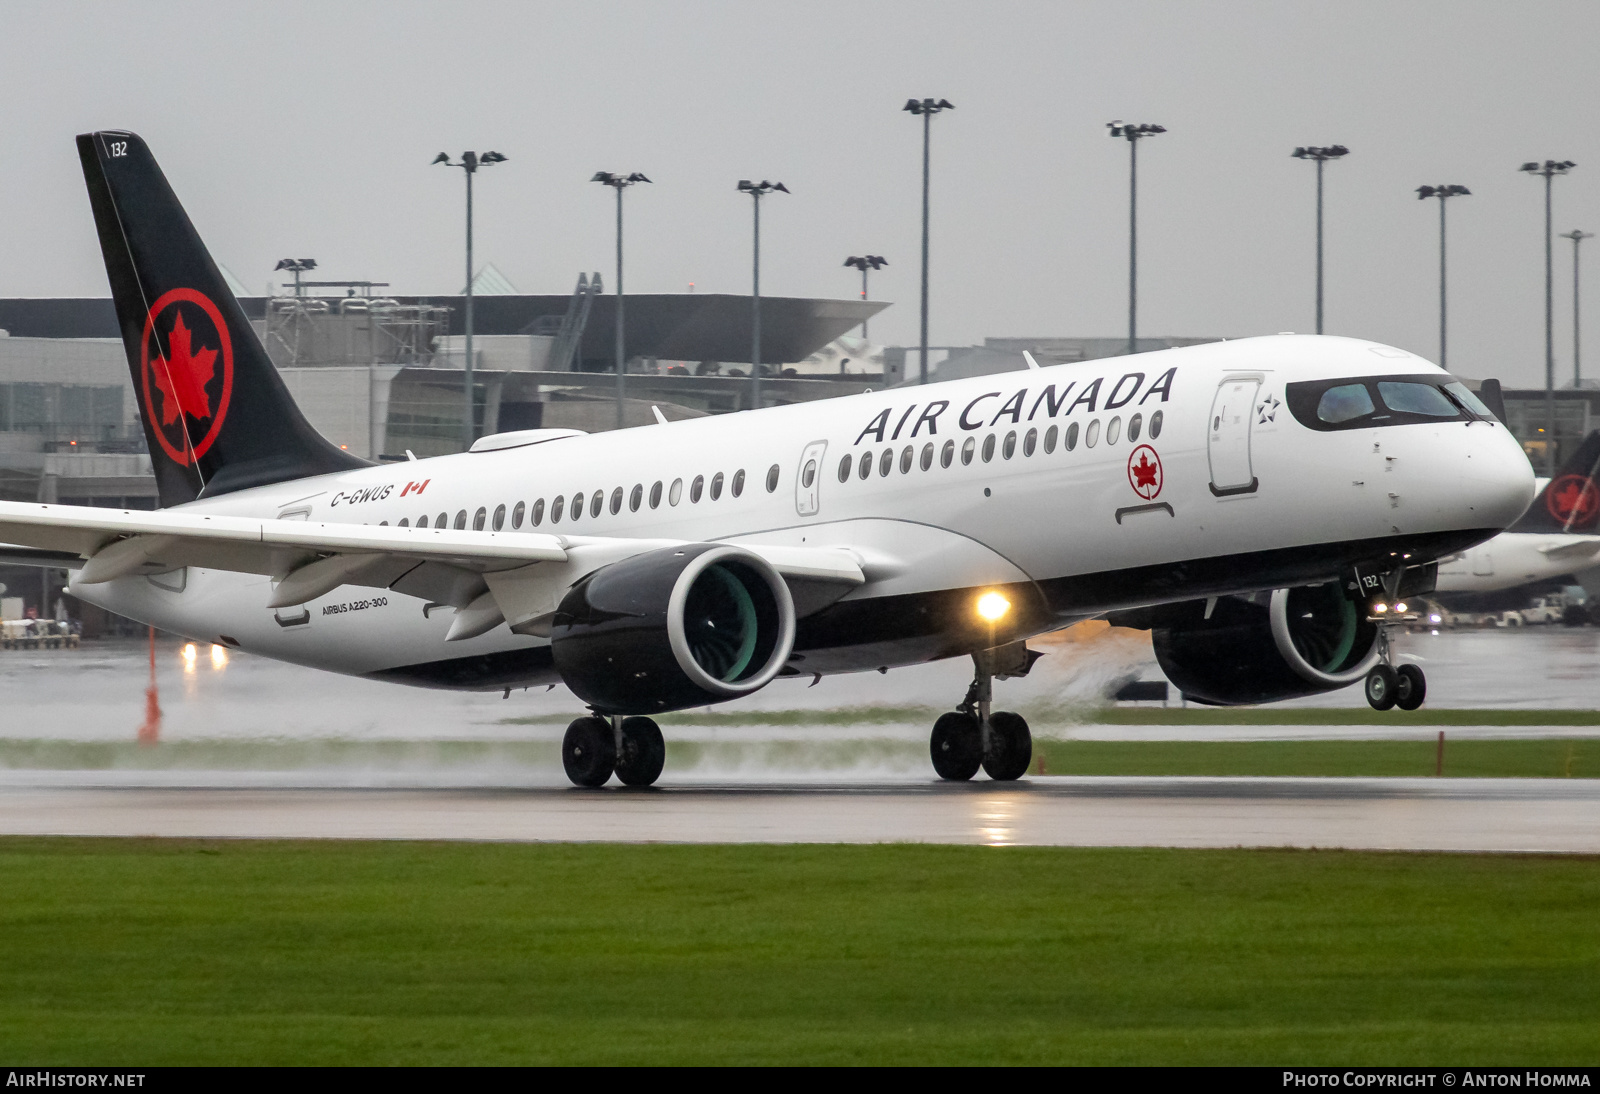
{"type": "Point", "coordinates": [594, 748]}
{"type": "Point", "coordinates": [973, 736]}
{"type": "Point", "coordinates": [1388, 686]}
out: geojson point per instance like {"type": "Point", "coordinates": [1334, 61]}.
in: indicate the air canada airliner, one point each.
{"type": "Point", "coordinates": [1259, 504]}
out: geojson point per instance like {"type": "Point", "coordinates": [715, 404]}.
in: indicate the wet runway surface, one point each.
{"type": "Point", "coordinates": [1401, 814]}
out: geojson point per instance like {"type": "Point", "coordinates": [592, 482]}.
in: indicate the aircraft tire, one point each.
{"type": "Point", "coordinates": [589, 752]}
{"type": "Point", "coordinates": [1010, 747]}
{"type": "Point", "coordinates": [956, 746]}
{"type": "Point", "coordinates": [1382, 687]}
{"type": "Point", "coordinates": [1411, 687]}
{"type": "Point", "coordinates": [643, 753]}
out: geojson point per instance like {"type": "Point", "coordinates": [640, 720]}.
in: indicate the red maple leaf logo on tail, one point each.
{"type": "Point", "coordinates": [182, 376]}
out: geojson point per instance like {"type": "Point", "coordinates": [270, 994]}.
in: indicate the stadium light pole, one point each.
{"type": "Point", "coordinates": [757, 191]}
{"type": "Point", "coordinates": [296, 266]}
{"type": "Point", "coordinates": [1133, 134]}
{"type": "Point", "coordinates": [469, 164]}
{"type": "Point", "coordinates": [1577, 238]}
{"type": "Point", "coordinates": [1548, 170]}
{"type": "Point", "coordinates": [1320, 155]}
{"type": "Point", "coordinates": [925, 109]}
{"type": "Point", "coordinates": [1444, 194]}
{"type": "Point", "coordinates": [865, 263]}
{"type": "Point", "coordinates": [619, 183]}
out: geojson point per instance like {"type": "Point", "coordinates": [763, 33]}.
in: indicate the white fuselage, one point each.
{"type": "Point", "coordinates": [1081, 526]}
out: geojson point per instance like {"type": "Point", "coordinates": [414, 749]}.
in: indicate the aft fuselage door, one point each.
{"type": "Point", "coordinates": [1228, 444]}
{"type": "Point", "coordinates": [808, 479]}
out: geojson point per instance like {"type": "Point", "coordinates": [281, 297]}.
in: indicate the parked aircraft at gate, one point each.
{"type": "Point", "coordinates": [1248, 500]}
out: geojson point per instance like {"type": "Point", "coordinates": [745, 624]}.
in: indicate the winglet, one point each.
{"type": "Point", "coordinates": [661, 419]}
{"type": "Point", "coordinates": [1028, 357]}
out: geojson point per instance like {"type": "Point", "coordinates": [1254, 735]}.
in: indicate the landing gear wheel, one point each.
{"type": "Point", "coordinates": [1411, 687]}
{"type": "Point", "coordinates": [956, 746]}
{"type": "Point", "coordinates": [1383, 687]}
{"type": "Point", "coordinates": [1010, 747]}
{"type": "Point", "coordinates": [643, 752]}
{"type": "Point", "coordinates": [589, 751]}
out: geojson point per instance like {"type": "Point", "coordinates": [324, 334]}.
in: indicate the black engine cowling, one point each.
{"type": "Point", "coordinates": [674, 628]}
{"type": "Point", "coordinates": [1266, 647]}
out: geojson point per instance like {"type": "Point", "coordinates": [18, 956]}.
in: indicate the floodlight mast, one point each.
{"type": "Point", "coordinates": [1577, 237]}
{"type": "Point", "coordinates": [296, 266]}
{"type": "Point", "coordinates": [926, 109]}
{"type": "Point", "coordinates": [865, 263]}
{"type": "Point", "coordinates": [1320, 155]}
{"type": "Point", "coordinates": [469, 164]}
{"type": "Point", "coordinates": [619, 183]}
{"type": "Point", "coordinates": [1133, 134]}
{"type": "Point", "coordinates": [1548, 170]}
{"type": "Point", "coordinates": [757, 191]}
{"type": "Point", "coordinates": [1443, 193]}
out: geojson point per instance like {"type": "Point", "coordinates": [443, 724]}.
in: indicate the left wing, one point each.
{"type": "Point", "coordinates": [490, 578]}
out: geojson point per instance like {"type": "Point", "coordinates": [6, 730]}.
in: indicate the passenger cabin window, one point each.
{"type": "Point", "coordinates": [675, 495]}
{"type": "Point", "coordinates": [655, 495]}
{"type": "Point", "coordinates": [499, 517]}
{"type": "Point", "coordinates": [927, 455]}
{"type": "Point", "coordinates": [886, 462]}
{"type": "Point", "coordinates": [555, 509]}
{"type": "Point", "coordinates": [808, 475]}
{"type": "Point", "coordinates": [1030, 442]}
{"type": "Point", "coordinates": [538, 513]}
{"type": "Point", "coordinates": [968, 447]}
{"type": "Point", "coordinates": [1370, 401]}
{"type": "Point", "coordinates": [442, 520]}
{"type": "Point", "coordinates": [906, 456]}
{"type": "Point", "coordinates": [461, 520]}
{"type": "Point", "coordinates": [616, 500]}
{"type": "Point", "coordinates": [716, 486]}
{"type": "Point", "coordinates": [1092, 434]}
{"type": "Point", "coordinates": [1050, 440]}
{"type": "Point", "coordinates": [844, 469]}
{"type": "Point", "coordinates": [947, 454]}
{"type": "Point", "coordinates": [405, 522]}
{"type": "Point", "coordinates": [1155, 425]}
{"type": "Point", "coordinates": [1133, 427]}
{"type": "Point", "coordinates": [866, 465]}
{"type": "Point", "coordinates": [636, 498]}
{"type": "Point", "coordinates": [696, 487]}
{"type": "Point", "coordinates": [772, 476]}
{"type": "Point", "coordinates": [1070, 441]}
{"type": "Point", "coordinates": [738, 482]}
{"type": "Point", "coordinates": [988, 448]}
{"type": "Point", "coordinates": [479, 519]}
{"type": "Point", "coordinates": [422, 521]}
{"type": "Point", "coordinates": [1113, 430]}
{"type": "Point", "coordinates": [518, 513]}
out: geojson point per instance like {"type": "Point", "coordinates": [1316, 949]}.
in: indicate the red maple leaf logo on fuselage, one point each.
{"type": "Point", "coordinates": [182, 375]}
{"type": "Point", "coordinates": [1144, 472]}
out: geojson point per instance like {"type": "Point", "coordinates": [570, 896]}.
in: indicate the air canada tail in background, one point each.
{"type": "Point", "coordinates": [1571, 502]}
{"type": "Point", "coordinates": [216, 414]}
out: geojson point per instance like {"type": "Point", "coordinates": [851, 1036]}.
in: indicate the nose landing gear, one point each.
{"type": "Point", "coordinates": [1388, 686]}
{"type": "Point", "coordinates": [973, 736]}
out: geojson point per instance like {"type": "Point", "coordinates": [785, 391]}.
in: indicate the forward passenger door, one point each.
{"type": "Point", "coordinates": [1228, 444]}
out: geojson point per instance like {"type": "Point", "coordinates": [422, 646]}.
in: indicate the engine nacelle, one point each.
{"type": "Point", "coordinates": [1260, 649]}
{"type": "Point", "coordinates": [674, 628]}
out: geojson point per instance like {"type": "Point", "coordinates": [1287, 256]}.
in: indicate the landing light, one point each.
{"type": "Point", "coordinates": [1435, 618]}
{"type": "Point", "coordinates": [1379, 608]}
{"type": "Point", "coordinates": [992, 606]}
{"type": "Point", "coordinates": [1401, 607]}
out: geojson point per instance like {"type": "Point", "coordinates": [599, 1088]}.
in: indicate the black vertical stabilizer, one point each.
{"type": "Point", "coordinates": [1571, 501]}
{"type": "Point", "coordinates": [216, 414]}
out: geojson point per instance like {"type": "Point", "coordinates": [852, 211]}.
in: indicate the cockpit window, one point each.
{"type": "Point", "coordinates": [1342, 403]}
{"type": "Point", "coordinates": [1466, 398]}
{"type": "Point", "coordinates": [1417, 399]}
{"type": "Point", "coordinates": [1362, 402]}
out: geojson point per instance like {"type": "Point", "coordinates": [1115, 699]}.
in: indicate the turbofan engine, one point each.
{"type": "Point", "coordinates": [1265, 647]}
{"type": "Point", "coordinates": [679, 627]}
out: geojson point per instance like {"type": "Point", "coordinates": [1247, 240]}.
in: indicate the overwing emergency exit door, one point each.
{"type": "Point", "coordinates": [1228, 444]}
{"type": "Point", "coordinates": [808, 479]}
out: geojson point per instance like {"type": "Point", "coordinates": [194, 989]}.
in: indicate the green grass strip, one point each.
{"type": "Point", "coordinates": [134, 953]}
{"type": "Point", "coordinates": [1538, 758]}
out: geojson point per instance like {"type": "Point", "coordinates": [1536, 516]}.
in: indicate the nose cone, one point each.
{"type": "Point", "coordinates": [1496, 478]}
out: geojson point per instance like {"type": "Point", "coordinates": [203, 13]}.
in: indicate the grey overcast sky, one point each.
{"type": "Point", "coordinates": [306, 129]}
